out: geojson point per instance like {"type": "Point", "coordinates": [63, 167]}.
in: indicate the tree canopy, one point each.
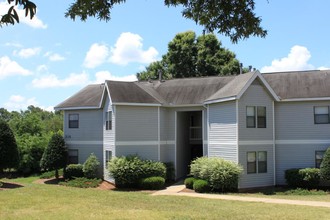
{"type": "Point", "coordinates": [192, 56]}
{"type": "Point", "coordinates": [235, 19]}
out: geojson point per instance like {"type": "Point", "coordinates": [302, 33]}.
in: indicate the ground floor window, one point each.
{"type": "Point", "coordinates": [256, 162]}
{"type": "Point", "coordinates": [318, 158]}
{"type": "Point", "coordinates": [73, 156]}
{"type": "Point", "coordinates": [108, 156]}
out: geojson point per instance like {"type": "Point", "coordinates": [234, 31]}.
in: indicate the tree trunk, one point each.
{"type": "Point", "coordinates": [56, 174]}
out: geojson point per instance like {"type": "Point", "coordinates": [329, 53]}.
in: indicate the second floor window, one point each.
{"type": "Point", "coordinates": [73, 120]}
{"type": "Point", "coordinates": [108, 120]}
{"type": "Point", "coordinates": [256, 117]}
{"type": "Point", "coordinates": [321, 115]}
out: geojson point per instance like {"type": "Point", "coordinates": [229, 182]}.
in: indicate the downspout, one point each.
{"type": "Point", "coordinates": [274, 146]}
{"type": "Point", "coordinates": [158, 133]}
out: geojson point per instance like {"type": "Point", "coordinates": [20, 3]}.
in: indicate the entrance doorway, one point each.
{"type": "Point", "coordinates": [189, 140]}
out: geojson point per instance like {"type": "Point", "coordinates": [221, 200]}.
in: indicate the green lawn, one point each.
{"type": "Point", "coordinates": [36, 201]}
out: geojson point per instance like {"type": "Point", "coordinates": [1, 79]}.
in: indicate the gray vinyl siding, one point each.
{"type": "Point", "coordinates": [149, 152]}
{"type": "Point", "coordinates": [223, 131]}
{"type": "Point", "coordinates": [205, 135]}
{"type": "Point", "coordinates": [90, 126]}
{"type": "Point", "coordinates": [109, 137]}
{"type": "Point", "coordinates": [295, 121]}
{"type": "Point", "coordinates": [136, 123]}
{"type": "Point", "coordinates": [255, 95]}
{"type": "Point", "coordinates": [295, 156]}
{"type": "Point", "coordinates": [85, 150]}
{"type": "Point", "coordinates": [167, 147]}
{"type": "Point", "coordinates": [167, 153]}
{"type": "Point", "coordinates": [256, 179]}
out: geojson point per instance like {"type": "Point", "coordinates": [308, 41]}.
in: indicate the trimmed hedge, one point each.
{"type": "Point", "coordinates": [222, 175]}
{"type": "Point", "coordinates": [201, 186]}
{"type": "Point", "coordinates": [189, 182]}
{"type": "Point", "coordinates": [152, 183]}
{"type": "Point", "coordinates": [128, 171]}
{"type": "Point", "coordinates": [73, 170]}
{"type": "Point", "coordinates": [303, 178]}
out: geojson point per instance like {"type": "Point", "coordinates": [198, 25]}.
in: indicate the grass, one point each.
{"type": "Point", "coordinates": [293, 194]}
{"type": "Point", "coordinates": [39, 201]}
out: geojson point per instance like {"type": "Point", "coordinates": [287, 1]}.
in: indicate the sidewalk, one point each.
{"type": "Point", "coordinates": [175, 190]}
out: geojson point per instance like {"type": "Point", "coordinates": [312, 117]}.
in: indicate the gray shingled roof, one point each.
{"type": "Point", "coordinates": [88, 97]}
{"type": "Point", "coordinates": [302, 84]}
{"type": "Point", "coordinates": [190, 91]}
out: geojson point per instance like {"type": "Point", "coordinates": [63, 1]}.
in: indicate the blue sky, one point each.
{"type": "Point", "coordinates": [48, 59]}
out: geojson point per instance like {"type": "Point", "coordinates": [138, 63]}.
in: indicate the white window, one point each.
{"type": "Point", "coordinates": [73, 120]}
{"type": "Point", "coordinates": [108, 120]}
{"type": "Point", "coordinates": [256, 117]}
{"type": "Point", "coordinates": [321, 115]}
{"type": "Point", "coordinates": [73, 156]}
{"type": "Point", "coordinates": [318, 158]}
{"type": "Point", "coordinates": [108, 156]}
{"type": "Point", "coordinates": [257, 162]}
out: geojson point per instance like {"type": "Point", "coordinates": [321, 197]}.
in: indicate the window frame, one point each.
{"type": "Point", "coordinates": [108, 121]}
{"type": "Point", "coordinates": [318, 164]}
{"type": "Point", "coordinates": [315, 122]}
{"type": "Point", "coordinates": [256, 162]}
{"type": "Point", "coordinates": [75, 156]}
{"type": "Point", "coordinates": [264, 125]}
{"type": "Point", "coordinates": [254, 117]}
{"type": "Point", "coordinates": [108, 156]}
{"type": "Point", "coordinates": [71, 125]}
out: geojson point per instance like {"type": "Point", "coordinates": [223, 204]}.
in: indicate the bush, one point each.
{"type": "Point", "coordinates": [325, 165]}
{"type": "Point", "coordinates": [170, 171]}
{"type": "Point", "coordinates": [153, 183]}
{"type": "Point", "coordinates": [82, 182]}
{"type": "Point", "coordinates": [189, 182]}
{"type": "Point", "coordinates": [1, 184]}
{"type": "Point", "coordinates": [50, 174]}
{"type": "Point", "coordinates": [91, 167]}
{"type": "Point", "coordinates": [9, 156]}
{"type": "Point", "coordinates": [304, 178]}
{"type": "Point", "coordinates": [222, 175]}
{"type": "Point", "coordinates": [73, 170]}
{"type": "Point", "coordinates": [128, 171]}
{"type": "Point", "coordinates": [201, 186]}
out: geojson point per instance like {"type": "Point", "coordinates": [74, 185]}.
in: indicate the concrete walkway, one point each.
{"type": "Point", "coordinates": [175, 190]}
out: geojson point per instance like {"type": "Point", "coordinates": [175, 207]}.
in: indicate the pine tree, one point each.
{"type": "Point", "coordinates": [55, 155]}
{"type": "Point", "coordinates": [325, 165]}
{"type": "Point", "coordinates": [9, 156]}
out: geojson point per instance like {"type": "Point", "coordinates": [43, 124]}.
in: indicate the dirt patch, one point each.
{"type": "Point", "coordinates": [106, 186]}
{"type": "Point", "coordinates": [6, 185]}
{"type": "Point", "coordinates": [186, 190]}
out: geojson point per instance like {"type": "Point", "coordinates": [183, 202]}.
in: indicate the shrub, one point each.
{"type": "Point", "coordinates": [201, 186]}
{"type": "Point", "coordinates": [189, 182]}
{"type": "Point", "coordinates": [222, 175]}
{"type": "Point", "coordinates": [9, 157]}
{"type": "Point", "coordinates": [153, 183]}
{"type": "Point", "coordinates": [128, 171]}
{"type": "Point", "coordinates": [325, 165]}
{"type": "Point", "coordinates": [50, 174]}
{"type": "Point", "coordinates": [303, 178]}
{"type": "Point", "coordinates": [82, 182]}
{"type": "Point", "coordinates": [91, 167]}
{"type": "Point", "coordinates": [73, 170]}
{"type": "Point", "coordinates": [170, 171]}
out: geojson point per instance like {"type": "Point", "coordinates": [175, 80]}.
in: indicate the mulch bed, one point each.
{"type": "Point", "coordinates": [6, 185]}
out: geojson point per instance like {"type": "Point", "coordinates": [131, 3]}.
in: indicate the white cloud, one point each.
{"type": "Point", "coordinates": [42, 68]}
{"type": "Point", "coordinates": [18, 102]}
{"type": "Point", "coordinates": [296, 60]}
{"type": "Point", "coordinates": [11, 68]}
{"type": "Point", "coordinates": [96, 55]}
{"type": "Point", "coordinates": [54, 56]}
{"type": "Point", "coordinates": [13, 45]}
{"type": "Point", "coordinates": [101, 76]}
{"type": "Point", "coordinates": [323, 68]}
{"type": "Point", "coordinates": [28, 52]}
{"type": "Point", "coordinates": [52, 81]}
{"type": "Point", "coordinates": [34, 23]}
{"type": "Point", "coordinates": [128, 48]}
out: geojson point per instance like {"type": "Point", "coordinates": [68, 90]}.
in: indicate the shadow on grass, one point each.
{"type": "Point", "coordinates": [10, 185]}
{"type": "Point", "coordinates": [54, 181]}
